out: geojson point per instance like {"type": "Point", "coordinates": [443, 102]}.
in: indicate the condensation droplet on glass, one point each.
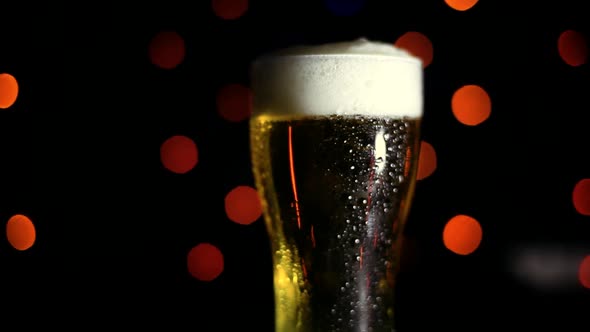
{"type": "Point", "coordinates": [351, 167]}
{"type": "Point", "coordinates": [400, 178]}
{"type": "Point", "coordinates": [358, 258]}
{"type": "Point", "coordinates": [357, 241]}
{"type": "Point", "coordinates": [379, 160]}
{"type": "Point", "coordinates": [349, 197]}
{"type": "Point", "coordinates": [385, 210]}
{"type": "Point", "coordinates": [333, 311]}
{"type": "Point", "coordinates": [348, 221]}
{"type": "Point", "coordinates": [352, 312]}
{"type": "Point", "coordinates": [354, 228]}
{"type": "Point", "coordinates": [342, 289]}
{"type": "Point", "coordinates": [364, 201]}
{"type": "Point", "coordinates": [347, 284]}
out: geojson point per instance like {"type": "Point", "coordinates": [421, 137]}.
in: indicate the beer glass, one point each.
{"type": "Point", "coordinates": [334, 139]}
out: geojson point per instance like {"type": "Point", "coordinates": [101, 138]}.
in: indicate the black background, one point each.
{"type": "Point", "coordinates": [80, 156]}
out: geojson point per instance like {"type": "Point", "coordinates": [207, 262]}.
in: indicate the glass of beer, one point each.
{"type": "Point", "coordinates": [334, 139]}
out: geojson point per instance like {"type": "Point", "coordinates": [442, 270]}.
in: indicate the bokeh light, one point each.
{"type": "Point", "coordinates": [471, 105]}
{"type": "Point", "coordinates": [426, 161]}
{"type": "Point", "coordinates": [20, 232]}
{"type": "Point", "coordinates": [8, 90]}
{"type": "Point", "coordinates": [179, 154]}
{"type": "Point", "coordinates": [344, 7]}
{"type": "Point", "coordinates": [418, 45]}
{"type": "Point", "coordinates": [234, 102]}
{"type": "Point", "coordinates": [167, 49]}
{"type": "Point", "coordinates": [572, 48]}
{"type": "Point", "coordinates": [229, 9]}
{"type": "Point", "coordinates": [584, 272]}
{"type": "Point", "coordinates": [242, 205]}
{"type": "Point", "coordinates": [581, 197]}
{"type": "Point", "coordinates": [461, 5]}
{"type": "Point", "coordinates": [205, 262]}
{"type": "Point", "coordinates": [462, 234]}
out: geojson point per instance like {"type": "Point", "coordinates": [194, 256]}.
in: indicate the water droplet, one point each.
{"type": "Point", "coordinates": [351, 167]}
{"type": "Point", "coordinates": [349, 197]}
{"type": "Point", "coordinates": [379, 160]}
{"type": "Point", "coordinates": [352, 312]}
{"type": "Point", "coordinates": [342, 289]}
{"type": "Point", "coordinates": [358, 258]}
{"type": "Point", "coordinates": [357, 241]}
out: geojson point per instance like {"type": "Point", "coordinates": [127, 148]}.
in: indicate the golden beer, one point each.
{"type": "Point", "coordinates": [334, 156]}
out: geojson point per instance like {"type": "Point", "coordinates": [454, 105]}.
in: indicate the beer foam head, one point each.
{"type": "Point", "coordinates": [359, 77]}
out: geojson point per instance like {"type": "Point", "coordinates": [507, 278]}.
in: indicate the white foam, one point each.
{"type": "Point", "coordinates": [359, 77]}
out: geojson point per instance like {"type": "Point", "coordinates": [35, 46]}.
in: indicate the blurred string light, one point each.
{"type": "Point", "coordinates": [550, 267]}
{"type": "Point", "coordinates": [461, 5]}
{"type": "Point", "coordinates": [427, 160]}
{"type": "Point", "coordinates": [344, 7]}
{"type": "Point", "coordinates": [20, 232]}
{"type": "Point", "coordinates": [234, 102]}
{"type": "Point", "coordinates": [205, 262]}
{"type": "Point", "coordinates": [471, 105]}
{"type": "Point", "coordinates": [572, 48]}
{"type": "Point", "coordinates": [167, 50]}
{"type": "Point", "coordinates": [418, 45]}
{"type": "Point", "coordinates": [462, 234]}
{"type": "Point", "coordinates": [242, 205]}
{"type": "Point", "coordinates": [179, 154]}
{"type": "Point", "coordinates": [229, 9]}
{"type": "Point", "coordinates": [581, 197]}
{"type": "Point", "coordinates": [8, 90]}
{"type": "Point", "coordinates": [584, 272]}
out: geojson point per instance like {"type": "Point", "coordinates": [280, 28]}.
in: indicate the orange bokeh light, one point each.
{"type": "Point", "coordinates": [418, 45]}
{"type": "Point", "coordinates": [584, 272]}
{"type": "Point", "coordinates": [461, 5]}
{"type": "Point", "coordinates": [8, 90]}
{"type": "Point", "coordinates": [242, 205]}
{"type": "Point", "coordinates": [426, 161]}
{"type": "Point", "coordinates": [179, 154]}
{"type": "Point", "coordinates": [462, 234]}
{"type": "Point", "coordinates": [229, 9]}
{"type": "Point", "coordinates": [20, 232]}
{"type": "Point", "coordinates": [205, 262]}
{"type": "Point", "coordinates": [581, 197]}
{"type": "Point", "coordinates": [572, 48]}
{"type": "Point", "coordinates": [234, 102]}
{"type": "Point", "coordinates": [167, 50]}
{"type": "Point", "coordinates": [471, 105]}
